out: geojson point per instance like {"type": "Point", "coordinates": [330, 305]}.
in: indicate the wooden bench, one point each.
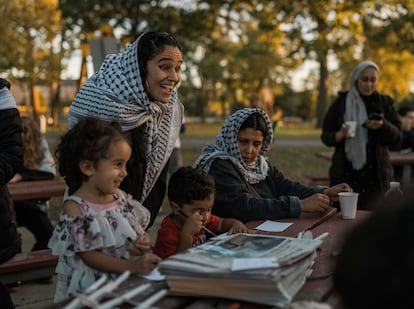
{"type": "Point", "coordinates": [37, 189]}
{"type": "Point", "coordinates": [28, 266]}
{"type": "Point", "coordinates": [317, 179]}
{"type": "Point", "coordinates": [37, 264]}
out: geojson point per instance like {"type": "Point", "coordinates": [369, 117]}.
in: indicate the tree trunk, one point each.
{"type": "Point", "coordinates": [322, 92]}
{"type": "Point", "coordinates": [32, 99]}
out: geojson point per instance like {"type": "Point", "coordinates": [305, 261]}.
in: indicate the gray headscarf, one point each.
{"type": "Point", "coordinates": [6, 99]}
{"type": "Point", "coordinates": [355, 110]}
{"type": "Point", "coordinates": [116, 93]}
{"type": "Point", "coordinates": [226, 147]}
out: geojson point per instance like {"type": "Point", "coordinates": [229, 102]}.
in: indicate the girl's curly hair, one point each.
{"type": "Point", "coordinates": [89, 139]}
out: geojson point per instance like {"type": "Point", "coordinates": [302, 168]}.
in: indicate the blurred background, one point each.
{"type": "Point", "coordinates": [294, 55]}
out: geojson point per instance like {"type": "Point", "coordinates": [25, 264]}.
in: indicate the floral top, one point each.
{"type": "Point", "coordinates": [105, 228]}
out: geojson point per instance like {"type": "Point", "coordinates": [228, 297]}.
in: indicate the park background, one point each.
{"type": "Point", "coordinates": [296, 55]}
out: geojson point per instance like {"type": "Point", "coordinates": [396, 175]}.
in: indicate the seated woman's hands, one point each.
{"type": "Point", "coordinates": [332, 192]}
{"type": "Point", "coordinates": [317, 202]}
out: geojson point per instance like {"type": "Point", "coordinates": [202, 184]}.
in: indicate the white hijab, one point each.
{"type": "Point", "coordinates": [355, 110]}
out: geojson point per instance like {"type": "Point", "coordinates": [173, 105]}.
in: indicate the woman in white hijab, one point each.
{"type": "Point", "coordinates": [361, 124]}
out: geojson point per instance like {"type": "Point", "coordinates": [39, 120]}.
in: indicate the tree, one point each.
{"type": "Point", "coordinates": [32, 55]}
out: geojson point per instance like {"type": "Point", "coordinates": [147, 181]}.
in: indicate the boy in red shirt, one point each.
{"type": "Point", "coordinates": [191, 195]}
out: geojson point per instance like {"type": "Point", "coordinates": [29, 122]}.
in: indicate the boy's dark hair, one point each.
{"type": "Point", "coordinates": [190, 184]}
{"type": "Point", "coordinates": [89, 139]}
{"type": "Point", "coordinates": [404, 110]}
{"type": "Point", "coordinates": [255, 121]}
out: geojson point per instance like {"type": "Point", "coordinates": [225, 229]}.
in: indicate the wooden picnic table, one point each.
{"type": "Point", "coordinates": [405, 159]}
{"type": "Point", "coordinates": [36, 189]}
{"type": "Point", "coordinates": [318, 287]}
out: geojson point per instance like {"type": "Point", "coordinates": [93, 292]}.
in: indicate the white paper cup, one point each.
{"type": "Point", "coordinates": [351, 125]}
{"type": "Point", "coordinates": [348, 202]}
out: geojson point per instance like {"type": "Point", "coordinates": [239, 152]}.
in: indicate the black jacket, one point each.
{"type": "Point", "coordinates": [379, 140]}
{"type": "Point", "coordinates": [11, 161]}
{"type": "Point", "coordinates": [275, 197]}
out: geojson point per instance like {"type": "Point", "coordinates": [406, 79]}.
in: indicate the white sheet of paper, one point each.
{"type": "Point", "coordinates": [249, 263]}
{"type": "Point", "coordinates": [155, 275]}
{"type": "Point", "coordinates": [272, 226]}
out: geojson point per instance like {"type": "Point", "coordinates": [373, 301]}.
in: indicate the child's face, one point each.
{"type": "Point", "coordinates": [203, 207]}
{"type": "Point", "coordinates": [110, 171]}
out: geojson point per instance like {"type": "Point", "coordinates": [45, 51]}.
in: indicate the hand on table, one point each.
{"type": "Point", "coordinates": [317, 202]}
{"type": "Point", "coordinates": [332, 192]}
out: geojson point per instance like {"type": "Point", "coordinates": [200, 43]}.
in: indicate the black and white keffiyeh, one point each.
{"type": "Point", "coordinates": [355, 110]}
{"type": "Point", "coordinates": [226, 147]}
{"type": "Point", "coordinates": [116, 93]}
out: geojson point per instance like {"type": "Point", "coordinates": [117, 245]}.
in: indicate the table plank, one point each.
{"type": "Point", "coordinates": [36, 189]}
{"type": "Point", "coordinates": [306, 221]}
{"type": "Point", "coordinates": [396, 158]}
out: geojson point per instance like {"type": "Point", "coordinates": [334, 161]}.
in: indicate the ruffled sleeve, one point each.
{"type": "Point", "coordinates": [142, 214]}
{"type": "Point", "coordinates": [78, 234]}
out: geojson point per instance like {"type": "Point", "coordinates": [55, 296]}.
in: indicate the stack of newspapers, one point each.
{"type": "Point", "coordinates": [256, 268]}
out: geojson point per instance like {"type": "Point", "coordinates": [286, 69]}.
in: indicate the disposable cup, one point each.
{"type": "Point", "coordinates": [348, 202]}
{"type": "Point", "coordinates": [351, 125]}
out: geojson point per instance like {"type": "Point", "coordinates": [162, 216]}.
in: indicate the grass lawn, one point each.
{"type": "Point", "coordinates": [294, 162]}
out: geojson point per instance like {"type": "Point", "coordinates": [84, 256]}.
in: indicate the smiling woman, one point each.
{"type": "Point", "coordinates": [138, 89]}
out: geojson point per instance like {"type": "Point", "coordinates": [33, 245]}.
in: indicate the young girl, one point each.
{"type": "Point", "coordinates": [101, 229]}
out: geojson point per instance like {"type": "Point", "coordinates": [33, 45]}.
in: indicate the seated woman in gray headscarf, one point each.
{"type": "Point", "coordinates": [247, 186]}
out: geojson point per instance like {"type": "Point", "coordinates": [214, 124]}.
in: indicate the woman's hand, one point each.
{"type": "Point", "coordinates": [374, 124]}
{"type": "Point", "coordinates": [16, 178]}
{"type": "Point", "coordinates": [341, 134]}
{"type": "Point", "coordinates": [315, 203]}
{"type": "Point", "coordinates": [332, 192]}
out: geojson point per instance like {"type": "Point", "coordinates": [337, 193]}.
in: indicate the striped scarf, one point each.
{"type": "Point", "coordinates": [226, 147]}
{"type": "Point", "coordinates": [116, 93]}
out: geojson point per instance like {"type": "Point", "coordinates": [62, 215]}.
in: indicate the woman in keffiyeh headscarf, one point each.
{"type": "Point", "coordinates": [362, 159]}
{"type": "Point", "coordinates": [137, 88]}
{"type": "Point", "coordinates": [247, 186]}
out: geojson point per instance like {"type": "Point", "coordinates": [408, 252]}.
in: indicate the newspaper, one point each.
{"type": "Point", "coordinates": [221, 256]}
{"type": "Point", "coordinates": [256, 268]}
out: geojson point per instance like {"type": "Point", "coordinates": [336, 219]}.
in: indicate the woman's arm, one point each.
{"type": "Point", "coordinates": [235, 198]}
{"type": "Point", "coordinates": [332, 130]}
{"type": "Point", "coordinates": [390, 132]}
{"type": "Point", "coordinates": [11, 149]}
